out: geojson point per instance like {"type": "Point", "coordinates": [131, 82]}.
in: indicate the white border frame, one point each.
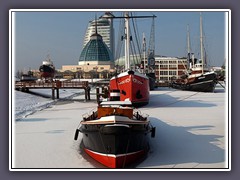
{"type": "Point", "coordinates": [228, 84]}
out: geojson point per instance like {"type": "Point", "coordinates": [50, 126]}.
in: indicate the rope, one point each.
{"type": "Point", "coordinates": [183, 98]}
{"type": "Point", "coordinates": [105, 149]}
{"type": "Point", "coordinates": [221, 84]}
{"type": "Point", "coordinates": [135, 28]}
{"type": "Point", "coordinates": [166, 105]}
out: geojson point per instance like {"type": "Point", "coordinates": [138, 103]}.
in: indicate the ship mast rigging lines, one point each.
{"type": "Point", "coordinates": [126, 34]}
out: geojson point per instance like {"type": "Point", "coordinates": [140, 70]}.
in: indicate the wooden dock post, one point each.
{"type": "Point", "coordinates": [88, 91]}
{"type": "Point", "coordinates": [97, 94]}
{"type": "Point", "coordinates": [57, 93]}
{"type": "Point", "coordinates": [105, 92]}
{"type": "Point", "coordinates": [103, 89]}
{"type": "Point", "coordinates": [53, 93]}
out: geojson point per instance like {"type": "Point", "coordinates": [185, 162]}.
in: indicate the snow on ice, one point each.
{"type": "Point", "coordinates": [191, 130]}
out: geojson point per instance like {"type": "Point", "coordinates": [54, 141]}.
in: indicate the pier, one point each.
{"type": "Point", "coordinates": [54, 86]}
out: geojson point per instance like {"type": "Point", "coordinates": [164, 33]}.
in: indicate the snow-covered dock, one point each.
{"type": "Point", "coordinates": [191, 131]}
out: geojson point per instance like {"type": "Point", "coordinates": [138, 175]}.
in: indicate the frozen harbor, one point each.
{"type": "Point", "coordinates": [191, 131]}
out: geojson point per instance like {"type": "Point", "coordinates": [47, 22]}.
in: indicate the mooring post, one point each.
{"type": "Point", "coordinates": [53, 93]}
{"type": "Point", "coordinates": [97, 94]}
{"type": "Point", "coordinates": [88, 89]}
{"type": "Point", "coordinates": [85, 93]}
{"type": "Point", "coordinates": [57, 93]}
{"type": "Point", "coordinates": [103, 89]}
{"type": "Point", "coordinates": [105, 92]}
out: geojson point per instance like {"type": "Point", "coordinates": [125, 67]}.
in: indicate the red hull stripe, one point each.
{"type": "Point", "coordinates": [47, 74]}
{"type": "Point", "coordinates": [115, 161]}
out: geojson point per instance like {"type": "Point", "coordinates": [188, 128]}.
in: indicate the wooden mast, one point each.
{"type": "Point", "coordinates": [127, 42]}
{"type": "Point", "coordinates": [201, 42]}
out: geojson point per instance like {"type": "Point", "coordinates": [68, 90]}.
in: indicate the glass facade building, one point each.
{"type": "Point", "coordinates": [95, 51]}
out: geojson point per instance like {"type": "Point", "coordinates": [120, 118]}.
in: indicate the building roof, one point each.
{"type": "Point", "coordinates": [96, 50]}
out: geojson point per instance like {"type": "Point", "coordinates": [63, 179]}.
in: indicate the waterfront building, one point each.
{"type": "Point", "coordinates": [167, 68]}
{"type": "Point", "coordinates": [95, 61]}
{"type": "Point", "coordinates": [97, 56]}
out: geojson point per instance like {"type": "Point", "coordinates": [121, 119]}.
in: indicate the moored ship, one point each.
{"type": "Point", "coordinates": [115, 134]}
{"type": "Point", "coordinates": [47, 69]}
{"type": "Point", "coordinates": [196, 81]}
{"type": "Point", "coordinates": [132, 84]}
{"type": "Point", "coordinates": [197, 77]}
{"type": "Point", "coordinates": [28, 77]}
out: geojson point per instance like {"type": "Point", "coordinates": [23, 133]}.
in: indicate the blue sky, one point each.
{"type": "Point", "coordinates": [61, 35]}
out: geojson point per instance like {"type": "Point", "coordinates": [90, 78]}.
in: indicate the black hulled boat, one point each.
{"type": "Point", "coordinates": [115, 134]}
{"type": "Point", "coordinates": [47, 69]}
{"type": "Point", "coordinates": [198, 77]}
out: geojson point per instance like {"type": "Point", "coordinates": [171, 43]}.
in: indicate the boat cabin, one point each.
{"type": "Point", "coordinates": [122, 108]}
{"type": "Point", "coordinates": [118, 108]}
